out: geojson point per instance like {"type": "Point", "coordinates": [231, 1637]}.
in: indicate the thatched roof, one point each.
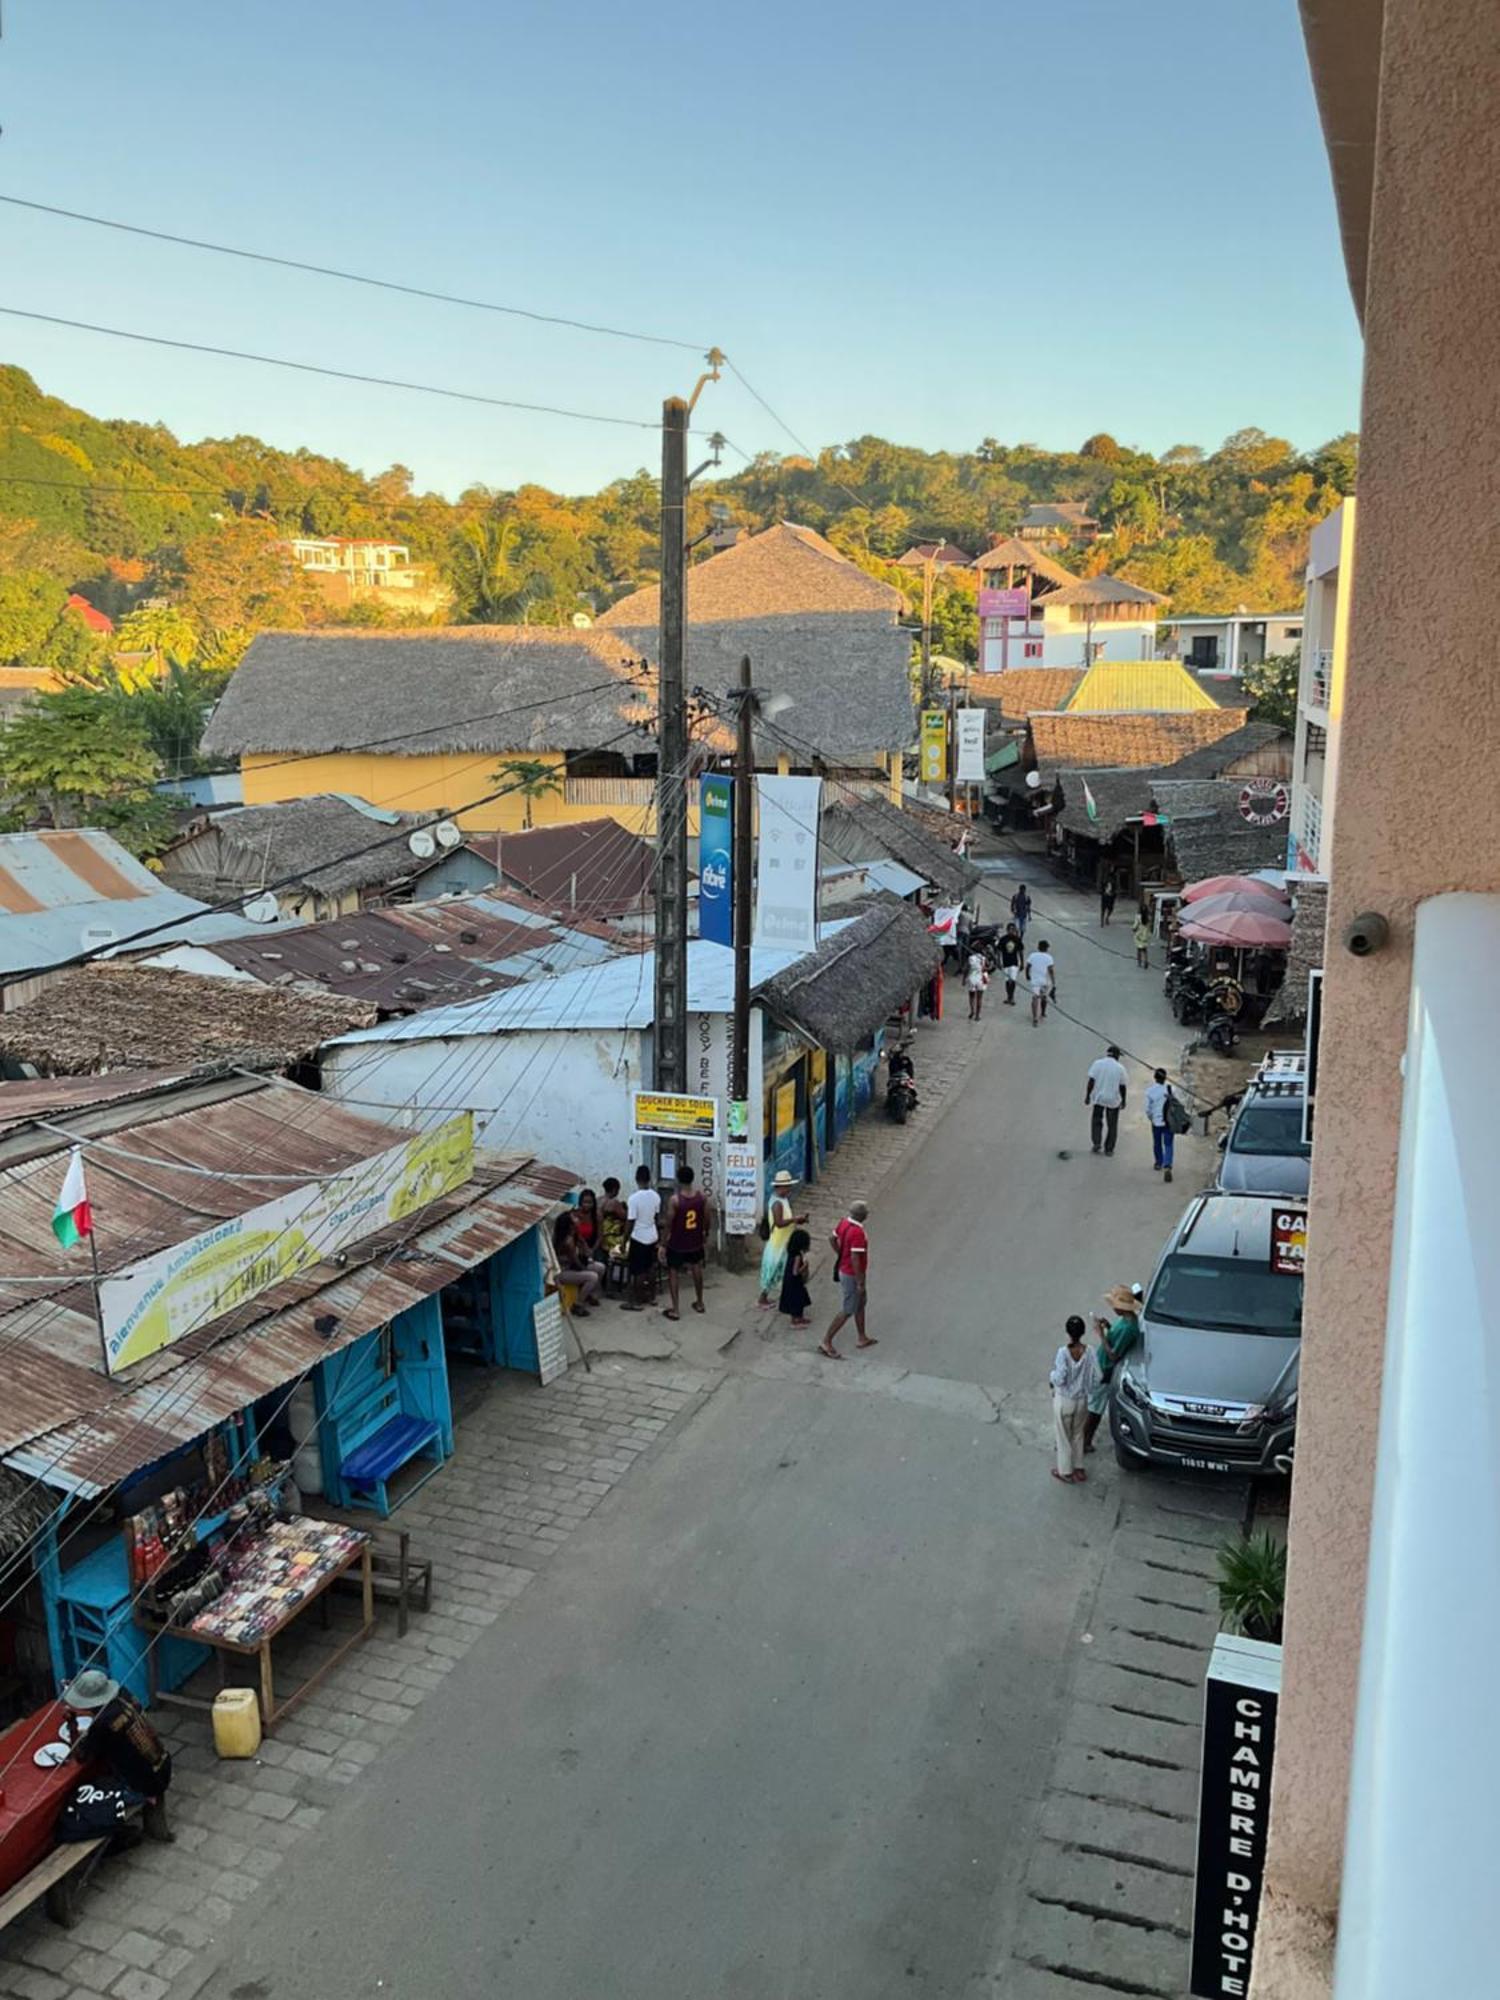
{"type": "Point", "coordinates": [124, 1016]}
{"type": "Point", "coordinates": [325, 843]}
{"type": "Point", "coordinates": [1142, 741]}
{"type": "Point", "coordinates": [842, 992]}
{"type": "Point", "coordinates": [479, 688]}
{"type": "Point", "coordinates": [786, 569]}
{"type": "Point", "coordinates": [1008, 553]}
{"type": "Point", "coordinates": [866, 829]}
{"type": "Point", "coordinates": [1119, 797]}
{"type": "Point", "coordinates": [1207, 835]}
{"type": "Point", "coordinates": [1023, 691]}
{"type": "Point", "coordinates": [1104, 590]}
{"type": "Point", "coordinates": [1215, 758]}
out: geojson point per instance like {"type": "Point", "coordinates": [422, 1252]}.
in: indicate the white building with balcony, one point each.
{"type": "Point", "coordinates": [1320, 691]}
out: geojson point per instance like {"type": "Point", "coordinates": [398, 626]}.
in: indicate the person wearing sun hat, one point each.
{"type": "Point", "coordinates": [1116, 1338]}
{"type": "Point", "coordinates": [778, 1226]}
{"type": "Point", "coordinates": [121, 1737]}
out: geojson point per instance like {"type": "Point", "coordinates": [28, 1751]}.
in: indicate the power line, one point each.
{"type": "Point", "coordinates": [335, 374]}
{"type": "Point", "coordinates": [354, 277]}
{"type": "Point", "coordinates": [806, 449]}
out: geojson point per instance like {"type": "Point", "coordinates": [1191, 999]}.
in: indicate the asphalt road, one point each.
{"type": "Point", "coordinates": [775, 1721]}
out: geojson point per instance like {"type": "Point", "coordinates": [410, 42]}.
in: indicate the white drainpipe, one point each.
{"type": "Point", "coordinates": [1417, 1911]}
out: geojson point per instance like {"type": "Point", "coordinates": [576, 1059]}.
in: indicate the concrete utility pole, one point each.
{"type": "Point", "coordinates": [928, 569]}
{"type": "Point", "coordinates": [670, 1065]}
{"type": "Point", "coordinates": [744, 834]}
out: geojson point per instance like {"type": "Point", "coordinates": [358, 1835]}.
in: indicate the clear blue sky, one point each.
{"type": "Point", "coordinates": [986, 218]}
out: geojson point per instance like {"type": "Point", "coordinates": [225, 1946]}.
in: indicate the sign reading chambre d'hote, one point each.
{"type": "Point", "coordinates": [156, 1302]}
{"type": "Point", "coordinates": [1240, 1698]}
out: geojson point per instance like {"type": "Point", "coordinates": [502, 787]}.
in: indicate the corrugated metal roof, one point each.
{"type": "Point", "coordinates": [71, 887]}
{"type": "Point", "coordinates": [1134, 687]}
{"type": "Point", "coordinates": [63, 1419]}
{"type": "Point", "coordinates": [616, 995]}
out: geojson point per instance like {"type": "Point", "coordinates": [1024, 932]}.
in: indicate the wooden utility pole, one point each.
{"type": "Point", "coordinates": [928, 569]}
{"type": "Point", "coordinates": [669, 1072]}
{"type": "Point", "coordinates": [744, 834]}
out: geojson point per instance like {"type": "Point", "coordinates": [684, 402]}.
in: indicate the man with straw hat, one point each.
{"type": "Point", "coordinates": [1116, 1338]}
{"type": "Point", "coordinates": [120, 1736]}
{"type": "Point", "coordinates": [779, 1223]}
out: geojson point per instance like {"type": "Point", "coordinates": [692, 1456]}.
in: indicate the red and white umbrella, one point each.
{"type": "Point", "coordinates": [1219, 885]}
{"type": "Point", "coordinates": [1240, 927]}
{"type": "Point", "coordinates": [1233, 899]}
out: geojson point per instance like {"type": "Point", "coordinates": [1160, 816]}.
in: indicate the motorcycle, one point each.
{"type": "Point", "coordinates": [900, 1099]}
{"type": "Point", "coordinates": [1213, 1002]}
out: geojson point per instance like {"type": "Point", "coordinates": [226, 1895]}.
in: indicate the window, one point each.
{"type": "Point", "coordinates": [1032, 650]}
{"type": "Point", "coordinates": [1228, 1294]}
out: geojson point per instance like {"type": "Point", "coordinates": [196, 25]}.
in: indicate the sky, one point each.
{"type": "Point", "coordinates": [992, 219]}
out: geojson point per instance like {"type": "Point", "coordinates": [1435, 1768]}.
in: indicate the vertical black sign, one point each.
{"type": "Point", "coordinates": [1234, 1804]}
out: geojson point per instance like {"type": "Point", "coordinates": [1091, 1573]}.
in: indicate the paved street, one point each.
{"type": "Point", "coordinates": [835, 1692]}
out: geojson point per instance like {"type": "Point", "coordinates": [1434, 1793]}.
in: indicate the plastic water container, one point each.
{"type": "Point", "coordinates": [236, 1722]}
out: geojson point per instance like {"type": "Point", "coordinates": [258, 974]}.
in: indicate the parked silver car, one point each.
{"type": "Point", "coordinates": [1211, 1385]}
{"type": "Point", "coordinates": [1264, 1151]}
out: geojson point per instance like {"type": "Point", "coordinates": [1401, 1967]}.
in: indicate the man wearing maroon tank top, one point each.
{"type": "Point", "coordinates": [686, 1235]}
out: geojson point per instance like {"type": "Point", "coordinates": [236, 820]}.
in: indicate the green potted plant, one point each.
{"type": "Point", "coordinates": [1252, 1586]}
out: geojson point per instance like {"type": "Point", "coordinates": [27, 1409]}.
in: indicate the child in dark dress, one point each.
{"type": "Point", "coordinates": [795, 1297]}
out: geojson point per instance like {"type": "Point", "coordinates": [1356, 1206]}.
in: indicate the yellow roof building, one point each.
{"type": "Point", "coordinates": [1137, 687]}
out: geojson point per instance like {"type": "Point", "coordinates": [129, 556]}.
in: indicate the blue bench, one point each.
{"type": "Point", "coordinates": [383, 1452]}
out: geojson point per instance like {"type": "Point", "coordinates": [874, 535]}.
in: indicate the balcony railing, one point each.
{"type": "Point", "coordinates": [1307, 824]}
{"type": "Point", "coordinates": [609, 791]}
{"type": "Point", "coordinates": [1320, 680]}
{"type": "Point", "coordinates": [1422, 1800]}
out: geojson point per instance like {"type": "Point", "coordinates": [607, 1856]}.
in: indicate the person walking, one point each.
{"type": "Point", "coordinates": [1105, 1092]}
{"type": "Point", "coordinates": [1074, 1378]}
{"type": "Point", "coordinates": [643, 1211]}
{"type": "Point", "coordinates": [1106, 895]}
{"type": "Point", "coordinates": [850, 1242]}
{"type": "Point", "coordinates": [779, 1223]}
{"type": "Point", "coordinates": [1020, 910]}
{"type": "Point", "coordinates": [686, 1239]}
{"type": "Point", "coordinates": [1116, 1338]}
{"type": "Point", "coordinates": [1141, 937]}
{"type": "Point", "coordinates": [1011, 954]}
{"type": "Point", "coordinates": [1158, 1092]}
{"type": "Point", "coordinates": [795, 1296]}
{"type": "Point", "coordinates": [976, 979]}
{"type": "Point", "coordinates": [1041, 977]}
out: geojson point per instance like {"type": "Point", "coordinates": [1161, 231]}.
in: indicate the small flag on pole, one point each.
{"type": "Point", "coordinates": [1089, 805]}
{"type": "Point", "coordinates": [73, 1219]}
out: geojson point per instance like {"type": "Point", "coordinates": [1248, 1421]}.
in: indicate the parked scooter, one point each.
{"type": "Point", "coordinates": [900, 1099]}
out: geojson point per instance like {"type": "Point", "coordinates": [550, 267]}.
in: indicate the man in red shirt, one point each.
{"type": "Point", "coordinates": [851, 1245]}
{"type": "Point", "coordinates": [686, 1240]}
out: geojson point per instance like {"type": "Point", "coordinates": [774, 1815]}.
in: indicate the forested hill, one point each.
{"type": "Point", "coordinates": [123, 511]}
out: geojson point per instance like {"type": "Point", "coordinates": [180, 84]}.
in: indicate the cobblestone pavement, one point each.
{"type": "Point", "coordinates": [532, 1463]}
{"type": "Point", "coordinates": [1107, 1900]}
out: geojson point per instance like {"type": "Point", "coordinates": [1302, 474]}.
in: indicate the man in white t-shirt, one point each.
{"type": "Point", "coordinates": [1041, 977]}
{"type": "Point", "coordinates": [641, 1251]}
{"type": "Point", "coordinates": [1105, 1093]}
{"type": "Point", "coordinates": [1162, 1135]}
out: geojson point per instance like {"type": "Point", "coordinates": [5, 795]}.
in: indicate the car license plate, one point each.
{"type": "Point", "coordinates": [1205, 1464]}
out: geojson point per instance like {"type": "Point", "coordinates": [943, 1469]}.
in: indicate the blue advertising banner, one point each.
{"type": "Point", "coordinates": [715, 868]}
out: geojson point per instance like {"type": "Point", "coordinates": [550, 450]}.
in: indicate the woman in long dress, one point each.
{"type": "Point", "coordinates": [780, 1222]}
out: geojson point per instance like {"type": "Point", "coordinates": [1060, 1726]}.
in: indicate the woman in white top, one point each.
{"type": "Point", "coordinates": [976, 979]}
{"type": "Point", "coordinates": [1075, 1373]}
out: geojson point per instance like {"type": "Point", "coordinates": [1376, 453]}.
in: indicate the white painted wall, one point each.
{"type": "Point", "coordinates": [1113, 639]}
{"type": "Point", "coordinates": [561, 1094]}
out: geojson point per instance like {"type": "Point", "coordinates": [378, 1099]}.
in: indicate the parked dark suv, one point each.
{"type": "Point", "coordinates": [1264, 1150]}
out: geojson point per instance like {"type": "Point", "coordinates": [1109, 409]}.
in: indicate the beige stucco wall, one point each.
{"type": "Point", "coordinates": [1418, 813]}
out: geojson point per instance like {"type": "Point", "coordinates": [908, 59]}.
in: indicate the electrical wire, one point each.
{"type": "Point", "coordinates": [334, 374]}
{"type": "Point", "coordinates": [354, 277]}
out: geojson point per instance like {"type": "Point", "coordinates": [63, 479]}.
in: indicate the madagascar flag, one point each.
{"type": "Point", "coordinates": [73, 1219]}
{"type": "Point", "coordinates": [1089, 805]}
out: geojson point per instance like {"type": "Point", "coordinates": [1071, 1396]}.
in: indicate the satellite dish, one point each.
{"type": "Point", "coordinates": [1033, 779]}
{"type": "Point", "coordinates": [423, 843]}
{"type": "Point", "coordinates": [582, 620]}
{"type": "Point", "coordinates": [262, 909]}
{"type": "Point", "coordinates": [447, 833]}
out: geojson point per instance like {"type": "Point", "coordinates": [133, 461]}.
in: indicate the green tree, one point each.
{"type": "Point", "coordinates": [532, 779]}
{"type": "Point", "coordinates": [243, 574]}
{"type": "Point", "coordinates": [1272, 686]}
{"type": "Point", "coordinates": [172, 710]}
{"type": "Point", "coordinates": [30, 605]}
{"type": "Point", "coordinates": [78, 758]}
{"type": "Point", "coordinates": [162, 631]}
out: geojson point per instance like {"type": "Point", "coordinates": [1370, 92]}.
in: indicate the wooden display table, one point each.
{"type": "Point", "coordinates": [278, 1576]}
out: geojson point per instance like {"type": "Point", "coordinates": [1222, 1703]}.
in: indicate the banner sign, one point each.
{"type": "Point", "coordinates": [673, 1117]}
{"type": "Point", "coordinates": [933, 761]}
{"type": "Point", "coordinates": [1240, 1698]}
{"type": "Point", "coordinates": [547, 1324]}
{"type": "Point", "coordinates": [1289, 1242]}
{"type": "Point", "coordinates": [786, 899]}
{"type": "Point", "coordinates": [176, 1291]}
{"type": "Point", "coordinates": [715, 859]}
{"type": "Point", "coordinates": [741, 1189]}
{"type": "Point", "coordinates": [968, 726]}
{"type": "Point", "coordinates": [1005, 603]}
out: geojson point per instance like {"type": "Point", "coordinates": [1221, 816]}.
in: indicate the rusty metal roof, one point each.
{"type": "Point", "coordinates": [64, 1420]}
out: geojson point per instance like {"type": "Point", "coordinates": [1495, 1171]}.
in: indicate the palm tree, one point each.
{"type": "Point", "coordinates": [532, 779]}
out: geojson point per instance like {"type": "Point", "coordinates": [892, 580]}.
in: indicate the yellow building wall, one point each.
{"type": "Point", "coordinates": [441, 782]}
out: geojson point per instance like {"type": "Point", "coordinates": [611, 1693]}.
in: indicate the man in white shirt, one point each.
{"type": "Point", "coordinates": [1041, 977]}
{"type": "Point", "coordinates": [1158, 1090]}
{"type": "Point", "coordinates": [1105, 1091]}
{"type": "Point", "coordinates": [641, 1252]}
